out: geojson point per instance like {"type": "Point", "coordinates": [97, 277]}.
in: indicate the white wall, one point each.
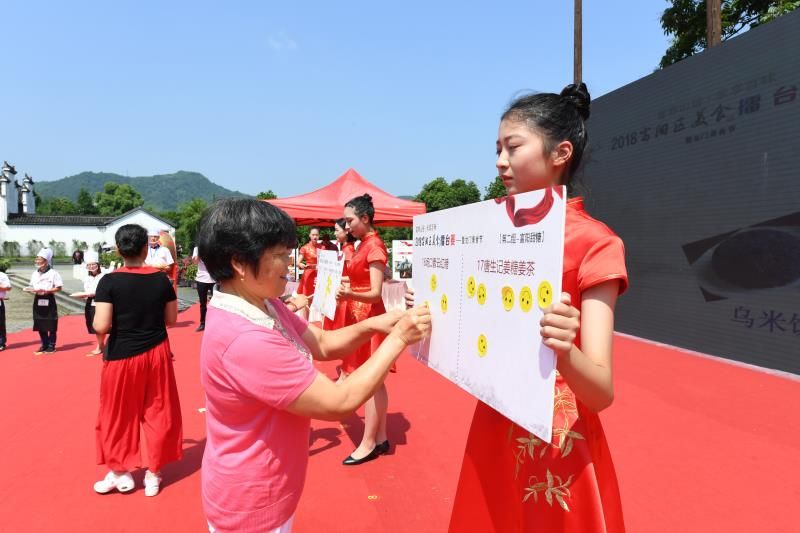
{"type": "Point", "coordinates": [142, 218]}
{"type": "Point", "coordinates": [65, 234]}
{"type": "Point", "coordinates": [89, 234]}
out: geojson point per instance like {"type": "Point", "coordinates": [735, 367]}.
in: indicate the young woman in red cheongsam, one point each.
{"type": "Point", "coordinates": [511, 481]}
{"type": "Point", "coordinates": [346, 247]}
{"type": "Point", "coordinates": [308, 262]}
{"type": "Point", "coordinates": [363, 295]}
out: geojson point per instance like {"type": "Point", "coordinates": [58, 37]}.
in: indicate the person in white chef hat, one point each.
{"type": "Point", "coordinates": [45, 283]}
{"type": "Point", "coordinates": [93, 274]}
{"type": "Point", "coordinates": [157, 256]}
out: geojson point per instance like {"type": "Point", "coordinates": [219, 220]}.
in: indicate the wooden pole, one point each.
{"type": "Point", "coordinates": [577, 75]}
{"type": "Point", "coordinates": [713, 22]}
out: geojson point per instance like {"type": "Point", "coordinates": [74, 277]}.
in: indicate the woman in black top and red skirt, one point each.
{"type": "Point", "coordinates": [137, 384]}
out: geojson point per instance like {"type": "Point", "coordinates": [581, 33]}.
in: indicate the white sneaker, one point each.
{"type": "Point", "coordinates": [152, 483]}
{"type": "Point", "coordinates": [122, 482]}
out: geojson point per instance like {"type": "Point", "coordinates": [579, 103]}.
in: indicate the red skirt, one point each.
{"type": "Point", "coordinates": [306, 286]}
{"type": "Point", "coordinates": [356, 312]}
{"type": "Point", "coordinates": [338, 321]}
{"type": "Point", "coordinates": [136, 392]}
{"type": "Point", "coordinates": [513, 482]}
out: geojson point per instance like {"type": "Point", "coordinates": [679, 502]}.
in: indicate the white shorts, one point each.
{"type": "Point", "coordinates": [286, 527]}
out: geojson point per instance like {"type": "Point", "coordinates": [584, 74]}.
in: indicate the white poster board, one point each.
{"type": "Point", "coordinates": [487, 271]}
{"type": "Point", "coordinates": [402, 257]}
{"type": "Point", "coordinates": [329, 277]}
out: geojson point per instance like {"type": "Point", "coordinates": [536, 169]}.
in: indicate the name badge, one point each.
{"type": "Point", "coordinates": [43, 303]}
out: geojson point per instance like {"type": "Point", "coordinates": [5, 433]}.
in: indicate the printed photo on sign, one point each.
{"type": "Point", "coordinates": [402, 255]}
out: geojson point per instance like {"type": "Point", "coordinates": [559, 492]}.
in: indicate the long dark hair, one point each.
{"type": "Point", "coordinates": [557, 117]}
{"type": "Point", "coordinates": [342, 223]}
{"type": "Point", "coordinates": [362, 205]}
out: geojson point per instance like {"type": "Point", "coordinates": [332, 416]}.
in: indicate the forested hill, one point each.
{"type": "Point", "coordinates": [164, 192]}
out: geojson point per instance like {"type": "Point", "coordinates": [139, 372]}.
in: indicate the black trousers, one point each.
{"type": "Point", "coordinates": [204, 292]}
{"type": "Point", "coordinates": [2, 323]}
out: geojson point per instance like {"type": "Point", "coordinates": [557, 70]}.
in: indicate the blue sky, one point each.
{"type": "Point", "coordinates": [285, 95]}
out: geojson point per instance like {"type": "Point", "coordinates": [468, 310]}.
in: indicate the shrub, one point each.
{"type": "Point", "coordinates": [189, 272]}
{"type": "Point", "coordinates": [107, 257]}
{"type": "Point", "coordinates": [5, 264]}
{"type": "Point", "coordinates": [34, 246]}
{"type": "Point", "coordinates": [11, 249]}
{"type": "Point", "coordinates": [59, 248]}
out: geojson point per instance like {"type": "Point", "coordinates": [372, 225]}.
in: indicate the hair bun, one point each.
{"type": "Point", "coordinates": [366, 197]}
{"type": "Point", "coordinates": [578, 95]}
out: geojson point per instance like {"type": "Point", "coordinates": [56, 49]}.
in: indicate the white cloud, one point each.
{"type": "Point", "coordinates": [281, 41]}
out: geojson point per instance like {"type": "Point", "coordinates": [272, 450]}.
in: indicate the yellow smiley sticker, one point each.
{"type": "Point", "coordinates": [483, 345]}
{"type": "Point", "coordinates": [544, 294]}
{"type": "Point", "coordinates": [470, 287]}
{"type": "Point", "coordinates": [481, 294]}
{"type": "Point", "coordinates": [328, 286]}
{"type": "Point", "coordinates": [525, 299]}
{"type": "Point", "coordinates": [507, 297]}
{"type": "Point", "coordinates": [443, 303]}
{"type": "Point", "coordinates": [433, 282]}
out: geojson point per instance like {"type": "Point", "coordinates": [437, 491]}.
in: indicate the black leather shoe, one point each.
{"type": "Point", "coordinates": [383, 447]}
{"type": "Point", "coordinates": [374, 454]}
{"type": "Point", "coordinates": [201, 327]}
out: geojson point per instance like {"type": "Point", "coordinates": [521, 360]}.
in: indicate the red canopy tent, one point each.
{"type": "Point", "coordinates": [323, 206]}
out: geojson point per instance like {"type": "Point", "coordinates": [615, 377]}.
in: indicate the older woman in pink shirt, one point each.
{"type": "Point", "coordinates": [261, 386]}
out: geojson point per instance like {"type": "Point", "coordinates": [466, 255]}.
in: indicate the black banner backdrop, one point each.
{"type": "Point", "coordinates": [697, 167]}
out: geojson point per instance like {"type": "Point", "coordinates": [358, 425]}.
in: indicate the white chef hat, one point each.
{"type": "Point", "coordinates": [91, 257]}
{"type": "Point", "coordinates": [46, 254]}
{"type": "Point", "coordinates": [153, 232]}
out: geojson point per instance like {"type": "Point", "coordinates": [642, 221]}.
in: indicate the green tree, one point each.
{"type": "Point", "coordinates": [393, 233]}
{"type": "Point", "coordinates": [685, 21]}
{"type": "Point", "coordinates": [438, 194]}
{"type": "Point", "coordinates": [56, 206]}
{"type": "Point", "coordinates": [85, 204]}
{"type": "Point", "coordinates": [495, 189]}
{"type": "Point", "coordinates": [116, 199]}
{"type": "Point", "coordinates": [170, 216]}
{"type": "Point", "coordinates": [189, 215]}
{"type": "Point", "coordinates": [268, 195]}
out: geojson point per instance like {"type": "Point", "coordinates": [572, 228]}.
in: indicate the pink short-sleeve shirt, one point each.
{"type": "Point", "coordinates": [256, 452]}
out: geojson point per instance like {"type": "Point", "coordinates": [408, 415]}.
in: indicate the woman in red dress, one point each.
{"type": "Point", "coordinates": [363, 295]}
{"type": "Point", "coordinates": [346, 248]}
{"type": "Point", "coordinates": [510, 479]}
{"type": "Point", "coordinates": [308, 262]}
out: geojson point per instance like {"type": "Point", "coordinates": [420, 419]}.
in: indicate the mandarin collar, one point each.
{"type": "Point", "coordinates": [576, 203]}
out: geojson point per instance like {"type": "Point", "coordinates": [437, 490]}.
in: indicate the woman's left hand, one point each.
{"type": "Point", "coordinates": [560, 325]}
{"type": "Point", "coordinates": [344, 292]}
{"type": "Point", "coordinates": [299, 302]}
{"type": "Point", "coordinates": [410, 297]}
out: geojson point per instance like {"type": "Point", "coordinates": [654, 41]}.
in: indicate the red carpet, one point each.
{"type": "Point", "coordinates": [700, 446]}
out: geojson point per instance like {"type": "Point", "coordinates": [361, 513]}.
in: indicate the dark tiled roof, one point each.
{"type": "Point", "coordinates": [57, 220]}
{"type": "Point", "coordinates": [73, 220]}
